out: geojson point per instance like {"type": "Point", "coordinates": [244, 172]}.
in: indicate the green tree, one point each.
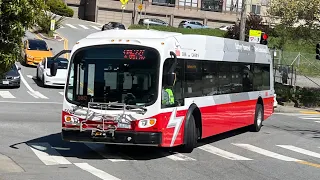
{"type": "Point", "coordinates": [15, 17]}
{"type": "Point", "coordinates": [291, 11]}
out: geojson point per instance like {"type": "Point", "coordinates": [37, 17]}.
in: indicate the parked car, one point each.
{"type": "Point", "coordinates": [113, 25]}
{"type": "Point", "coordinates": [152, 22]}
{"type": "Point", "coordinates": [191, 25]}
{"type": "Point", "coordinates": [44, 75]}
{"type": "Point", "coordinates": [35, 50]}
{"type": "Point", "coordinates": [11, 78]}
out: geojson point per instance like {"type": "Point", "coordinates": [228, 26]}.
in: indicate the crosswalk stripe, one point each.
{"type": "Point", "coordinates": [179, 157]}
{"type": "Point", "coordinates": [83, 26]}
{"type": "Point", "coordinates": [266, 152]}
{"type": "Point", "coordinates": [61, 93]}
{"type": "Point", "coordinates": [317, 121]}
{"type": "Point", "coordinates": [222, 153]}
{"type": "Point", "coordinates": [47, 154]}
{"type": "Point", "coordinates": [97, 172]}
{"type": "Point", "coordinates": [30, 76]}
{"type": "Point", "coordinates": [62, 27]}
{"type": "Point", "coordinates": [95, 27]}
{"type": "Point", "coordinates": [71, 26]}
{"type": "Point", "coordinates": [101, 151]}
{"type": "Point", "coordinates": [6, 95]}
{"type": "Point", "coordinates": [300, 150]}
{"type": "Point", "coordinates": [37, 93]}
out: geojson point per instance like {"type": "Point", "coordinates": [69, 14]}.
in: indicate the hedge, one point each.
{"type": "Point", "coordinates": [60, 8]}
{"type": "Point", "coordinates": [208, 32]}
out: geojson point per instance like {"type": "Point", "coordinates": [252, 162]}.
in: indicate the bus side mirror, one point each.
{"type": "Point", "coordinates": [170, 79]}
{"type": "Point", "coordinates": [53, 69]}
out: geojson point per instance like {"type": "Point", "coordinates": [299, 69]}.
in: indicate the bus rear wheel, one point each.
{"type": "Point", "coordinates": [258, 118]}
{"type": "Point", "coordinates": [190, 135]}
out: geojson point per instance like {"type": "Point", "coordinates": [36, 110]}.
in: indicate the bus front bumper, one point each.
{"type": "Point", "coordinates": [120, 137]}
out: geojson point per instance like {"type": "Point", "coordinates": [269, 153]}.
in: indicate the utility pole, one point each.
{"type": "Point", "coordinates": [243, 20]}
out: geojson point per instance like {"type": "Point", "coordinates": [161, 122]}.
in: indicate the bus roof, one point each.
{"type": "Point", "coordinates": [192, 46]}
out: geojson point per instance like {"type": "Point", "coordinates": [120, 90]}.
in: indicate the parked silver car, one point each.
{"type": "Point", "coordinates": [152, 22]}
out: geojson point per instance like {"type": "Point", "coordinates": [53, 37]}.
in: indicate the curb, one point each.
{"type": "Point", "coordinates": [284, 109]}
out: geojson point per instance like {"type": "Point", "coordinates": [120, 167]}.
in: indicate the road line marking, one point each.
{"type": "Point", "coordinates": [179, 157]}
{"type": "Point", "coordinates": [317, 121]}
{"type": "Point", "coordinates": [83, 26]}
{"type": "Point", "coordinates": [118, 157]}
{"type": "Point", "coordinates": [222, 153]}
{"type": "Point", "coordinates": [309, 112]}
{"type": "Point", "coordinates": [300, 150]}
{"type": "Point", "coordinates": [32, 94]}
{"type": "Point", "coordinates": [309, 164]}
{"type": "Point", "coordinates": [61, 27]}
{"type": "Point", "coordinates": [47, 154]}
{"type": "Point", "coordinates": [31, 91]}
{"type": "Point", "coordinates": [37, 93]}
{"type": "Point", "coordinates": [71, 26]}
{"type": "Point", "coordinates": [95, 27]}
{"type": "Point", "coordinates": [97, 172]}
{"type": "Point", "coordinates": [266, 152]}
{"type": "Point", "coordinates": [25, 102]}
{"type": "Point", "coordinates": [311, 118]}
{"type": "Point", "coordinates": [61, 93]}
{"type": "Point", "coordinates": [30, 76]}
{"type": "Point", "coordinates": [6, 94]}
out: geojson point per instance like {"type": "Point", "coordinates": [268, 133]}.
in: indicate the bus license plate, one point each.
{"type": "Point", "coordinates": [5, 82]}
{"type": "Point", "coordinates": [125, 126]}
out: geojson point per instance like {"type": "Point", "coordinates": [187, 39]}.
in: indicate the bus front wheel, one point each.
{"type": "Point", "coordinates": [190, 135]}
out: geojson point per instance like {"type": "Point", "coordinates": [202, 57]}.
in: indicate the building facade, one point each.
{"type": "Point", "coordinates": [213, 13]}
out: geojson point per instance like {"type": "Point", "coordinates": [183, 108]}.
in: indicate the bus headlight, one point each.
{"type": "Point", "coordinates": [146, 123]}
{"type": "Point", "coordinates": [71, 119]}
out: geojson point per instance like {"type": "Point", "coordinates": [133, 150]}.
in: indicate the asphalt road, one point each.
{"type": "Point", "coordinates": [287, 147]}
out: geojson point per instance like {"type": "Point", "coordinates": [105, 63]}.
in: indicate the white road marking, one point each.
{"type": "Point", "coordinates": [35, 93]}
{"type": "Point", "coordinates": [97, 172]}
{"type": "Point", "coordinates": [83, 26]}
{"type": "Point", "coordinates": [6, 95]}
{"type": "Point", "coordinates": [311, 118]}
{"type": "Point", "coordinates": [30, 76]}
{"type": "Point", "coordinates": [47, 154]}
{"type": "Point", "coordinates": [179, 157]}
{"type": "Point", "coordinates": [25, 102]}
{"type": "Point", "coordinates": [222, 153]}
{"type": "Point", "coordinates": [266, 152]}
{"type": "Point", "coordinates": [61, 93]}
{"type": "Point", "coordinates": [72, 26]}
{"type": "Point", "coordinates": [102, 152]}
{"type": "Point", "coordinates": [317, 121]}
{"type": "Point", "coordinates": [62, 27]}
{"type": "Point", "coordinates": [95, 27]}
{"type": "Point", "coordinates": [300, 150]}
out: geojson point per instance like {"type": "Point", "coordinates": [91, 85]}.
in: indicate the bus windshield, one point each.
{"type": "Point", "coordinates": [114, 73]}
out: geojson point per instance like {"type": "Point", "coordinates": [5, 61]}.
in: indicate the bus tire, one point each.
{"type": "Point", "coordinates": [258, 118]}
{"type": "Point", "coordinates": [190, 133]}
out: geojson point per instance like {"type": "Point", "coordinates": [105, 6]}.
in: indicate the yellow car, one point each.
{"type": "Point", "coordinates": [35, 50]}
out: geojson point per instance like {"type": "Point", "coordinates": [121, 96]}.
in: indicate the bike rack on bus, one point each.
{"type": "Point", "coordinates": [104, 119]}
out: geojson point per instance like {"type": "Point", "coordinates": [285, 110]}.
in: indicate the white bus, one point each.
{"type": "Point", "coordinates": [116, 81]}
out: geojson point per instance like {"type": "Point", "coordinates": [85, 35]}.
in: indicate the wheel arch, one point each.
{"type": "Point", "coordinates": [195, 111]}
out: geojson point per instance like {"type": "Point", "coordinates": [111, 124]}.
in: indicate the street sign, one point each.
{"type": "Point", "coordinates": [140, 6]}
{"type": "Point", "coordinates": [123, 2]}
{"type": "Point", "coordinates": [52, 25]}
{"type": "Point", "coordinates": [255, 36]}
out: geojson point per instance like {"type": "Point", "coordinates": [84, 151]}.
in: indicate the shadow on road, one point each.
{"type": "Point", "coordinates": [82, 151]}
